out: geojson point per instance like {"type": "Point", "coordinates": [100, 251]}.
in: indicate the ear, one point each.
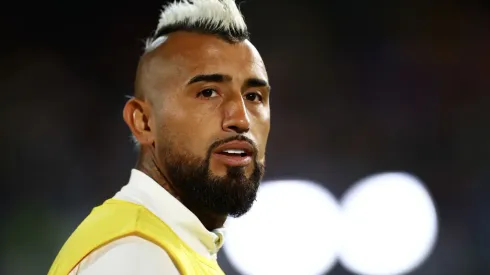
{"type": "Point", "coordinates": [136, 114]}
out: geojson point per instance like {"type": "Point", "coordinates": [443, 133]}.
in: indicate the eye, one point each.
{"type": "Point", "coordinates": [207, 93]}
{"type": "Point", "coordinates": [254, 97]}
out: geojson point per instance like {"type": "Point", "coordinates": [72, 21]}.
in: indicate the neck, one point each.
{"type": "Point", "coordinates": [210, 220]}
{"type": "Point", "coordinates": [148, 165]}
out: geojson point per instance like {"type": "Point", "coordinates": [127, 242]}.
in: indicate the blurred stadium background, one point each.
{"type": "Point", "coordinates": [360, 88]}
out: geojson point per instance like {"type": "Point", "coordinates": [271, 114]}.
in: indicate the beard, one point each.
{"type": "Point", "coordinates": [198, 189]}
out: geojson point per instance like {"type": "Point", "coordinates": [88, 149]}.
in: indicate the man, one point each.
{"type": "Point", "coordinates": [200, 117]}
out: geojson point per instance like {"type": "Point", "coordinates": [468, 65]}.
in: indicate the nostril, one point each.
{"type": "Point", "coordinates": [237, 129]}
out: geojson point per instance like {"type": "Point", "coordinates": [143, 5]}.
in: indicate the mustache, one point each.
{"type": "Point", "coordinates": [218, 143]}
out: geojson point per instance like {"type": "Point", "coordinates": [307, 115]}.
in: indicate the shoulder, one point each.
{"type": "Point", "coordinates": [130, 255]}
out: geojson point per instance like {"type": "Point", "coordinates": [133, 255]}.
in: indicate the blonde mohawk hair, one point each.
{"type": "Point", "coordinates": [215, 17]}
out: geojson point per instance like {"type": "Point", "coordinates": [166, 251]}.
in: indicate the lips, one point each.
{"type": "Point", "coordinates": [235, 153]}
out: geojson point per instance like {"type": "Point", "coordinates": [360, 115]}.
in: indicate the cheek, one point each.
{"type": "Point", "coordinates": [261, 133]}
{"type": "Point", "coordinates": [191, 128]}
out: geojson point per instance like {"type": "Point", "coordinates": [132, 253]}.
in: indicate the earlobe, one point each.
{"type": "Point", "coordinates": [136, 117]}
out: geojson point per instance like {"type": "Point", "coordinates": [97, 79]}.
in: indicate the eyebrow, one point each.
{"type": "Point", "coordinates": [251, 82]}
{"type": "Point", "coordinates": [256, 82]}
{"type": "Point", "coordinates": [209, 78]}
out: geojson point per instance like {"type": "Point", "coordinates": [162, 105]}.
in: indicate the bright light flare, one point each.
{"type": "Point", "coordinates": [291, 229]}
{"type": "Point", "coordinates": [389, 225]}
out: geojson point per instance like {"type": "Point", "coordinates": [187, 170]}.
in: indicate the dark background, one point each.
{"type": "Point", "coordinates": [359, 87]}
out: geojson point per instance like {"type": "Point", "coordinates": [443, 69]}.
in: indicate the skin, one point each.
{"type": "Point", "coordinates": [167, 111]}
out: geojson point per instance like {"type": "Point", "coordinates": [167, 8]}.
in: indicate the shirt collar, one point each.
{"type": "Point", "coordinates": [145, 191]}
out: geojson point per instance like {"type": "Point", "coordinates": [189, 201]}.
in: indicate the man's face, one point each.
{"type": "Point", "coordinates": [210, 118]}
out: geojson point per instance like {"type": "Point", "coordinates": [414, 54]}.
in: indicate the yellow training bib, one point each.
{"type": "Point", "coordinates": [116, 219]}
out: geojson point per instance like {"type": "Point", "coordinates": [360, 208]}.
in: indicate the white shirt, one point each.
{"type": "Point", "coordinates": [133, 255]}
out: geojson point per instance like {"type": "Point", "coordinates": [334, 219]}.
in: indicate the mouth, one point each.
{"type": "Point", "coordinates": [235, 153]}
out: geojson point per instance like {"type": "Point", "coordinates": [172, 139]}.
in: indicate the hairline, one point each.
{"type": "Point", "coordinates": [231, 36]}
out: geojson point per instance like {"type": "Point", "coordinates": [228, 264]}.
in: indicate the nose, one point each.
{"type": "Point", "coordinates": [236, 118]}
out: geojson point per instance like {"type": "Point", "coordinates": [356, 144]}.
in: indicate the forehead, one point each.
{"type": "Point", "coordinates": [185, 54]}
